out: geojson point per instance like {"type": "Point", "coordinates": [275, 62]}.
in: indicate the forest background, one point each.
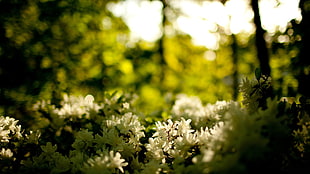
{"type": "Point", "coordinates": [52, 47]}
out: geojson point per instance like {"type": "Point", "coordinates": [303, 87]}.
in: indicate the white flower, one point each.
{"type": "Point", "coordinates": [126, 105]}
{"type": "Point", "coordinates": [116, 161]}
{"type": "Point", "coordinates": [4, 135]}
{"type": "Point", "coordinates": [105, 162]}
{"type": "Point", "coordinates": [89, 100]}
{"type": "Point", "coordinates": [201, 116]}
{"type": "Point", "coordinates": [183, 127]}
{"type": "Point", "coordinates": [126, 129]}
{"type": "Point", "coordinates": [154, 148]}
{"type": "Point", "coordinates": [9, 129]}
{"type": "Point", "coordinates": [6, 153]}
{"type": "Point", "coordinates": [171, 139]}
{"type": "Point", "coordinates": [73, 106]}
{"type": "Point", "coordinates": [188, 106]}
{"type": "Point", "coordinates": [208, 155]}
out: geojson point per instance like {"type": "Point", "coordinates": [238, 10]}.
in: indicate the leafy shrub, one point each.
{"type": "Point", "coordinates": [83, 136]}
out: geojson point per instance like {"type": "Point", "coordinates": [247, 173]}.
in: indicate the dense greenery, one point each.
{"type": "Point", "coordinates": [83, 136]}
{"type": "Point", "coordinates": [51, 47]}
{"type": "Point", "coordinates": [178, 107]}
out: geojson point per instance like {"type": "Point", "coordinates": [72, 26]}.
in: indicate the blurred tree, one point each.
{"type": "Point", "coordinates": [235, 85]}
{"type": "Point", "coordinates": [161, 41]}
{"type": "Point", "coordinates": [56, 45]}
{"type": "Point", "coordinates": [301, 64]}
{"type": "Point", "coordinates": [290, 49]}
{"type": "Point", "coordinates": [261, 47]}
{"type": "Point", "coordinates": [52, 46]}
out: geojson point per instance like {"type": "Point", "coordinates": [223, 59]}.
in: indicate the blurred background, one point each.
{"type": "Point", "coordinates": [153, 49]}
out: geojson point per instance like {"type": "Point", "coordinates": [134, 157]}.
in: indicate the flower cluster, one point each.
{"type": "Point", "coordinates": [83, 136]}
{"type": "Point", "coordinates": [106, 136]}
{"type": "Point", "coordinates": [171, 139]}
{"type": "Point", "coordinates": [9, 129]}
{"type": "Point", "coordinates": [10, 132]}
{"type": "Point", "coordinates": [72, 108]}
{"type": "Point", "coordinates": [14, 142]}
{"type": "Point", "coordinates": [191, 107]}
{"type": "Point", "coordinates": [104, 162]}
{"type": "Point", "coordinates": [232, 143]}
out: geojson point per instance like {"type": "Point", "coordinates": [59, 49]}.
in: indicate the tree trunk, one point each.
{"type": "Point", "coordinates": [234, 47]}
{"type": "Point", "coordinates": [261, 47]}
{"type": "Point", "coordinates": [161, 41]}
{"type": "Point", "coordinates": [303, 75]}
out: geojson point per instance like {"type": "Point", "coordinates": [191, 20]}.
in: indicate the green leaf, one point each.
{"type": "Point", "coordinates": [49, 148]}
{"type": "Point", "coordinates": [258, 73]}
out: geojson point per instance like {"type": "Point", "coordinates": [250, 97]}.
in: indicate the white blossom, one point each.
{"type": "Point", "coordinates": [6, 153]}
{"type": "Point", "coordinates": [9, 129]}
{"type": "Point", "coordinates": [105, 162]}
{"type": "Point", "coordinates": [73, 106]}
{"type": "Point", "coordinates": [201, 116]}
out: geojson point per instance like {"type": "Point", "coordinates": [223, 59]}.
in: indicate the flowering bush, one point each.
{"type": "Point", "coordinates": [83, 136]}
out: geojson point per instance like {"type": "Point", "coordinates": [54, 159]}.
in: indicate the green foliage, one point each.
{"type": "Point", "coordinates": [52, 47]}
{"type": "Point", "coordinates": [256, 92]}
{"type": "Point", "coordinates": [51, 50]}
{"type": "Point", "coordinates": [83, 136]}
